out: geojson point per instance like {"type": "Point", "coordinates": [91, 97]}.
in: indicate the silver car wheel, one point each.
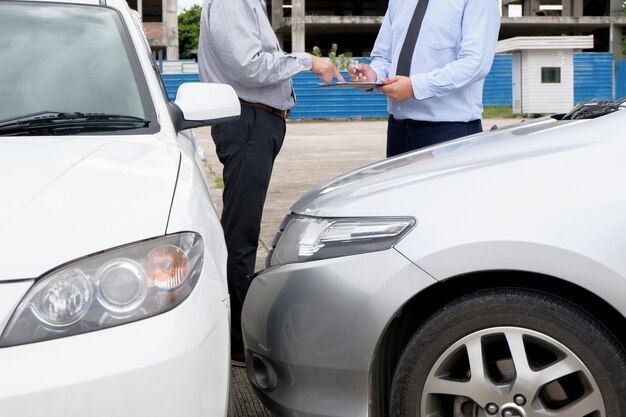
{"type": "Point", "coordinates": [510, 352]}
{"type": "Point", "coordinates": [512, 372]}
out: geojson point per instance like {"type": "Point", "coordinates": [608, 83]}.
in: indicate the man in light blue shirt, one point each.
{"type": "Point", "coordinates": [441, 97]}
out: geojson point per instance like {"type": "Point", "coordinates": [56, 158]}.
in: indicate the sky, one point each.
{"type": "Point", "coordinates": [185, 4]}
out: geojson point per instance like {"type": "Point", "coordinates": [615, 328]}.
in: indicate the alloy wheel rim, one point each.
{"type": "Point", "coordinates": [510, 372]}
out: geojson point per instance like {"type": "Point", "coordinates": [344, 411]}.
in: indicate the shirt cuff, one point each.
{"type": "Point", "coordinates": [304, 61]}
{"type": "Point", "coordinates": [421, 90]}
{"type": "Point", "coordinates": [380, 74]}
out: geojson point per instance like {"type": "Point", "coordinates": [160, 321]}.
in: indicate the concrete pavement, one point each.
{"type": "Point", "coordinates": [312, 152]}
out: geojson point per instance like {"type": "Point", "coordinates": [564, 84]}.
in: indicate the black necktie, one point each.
{"type": "Point", "coordinates": [406, 54]}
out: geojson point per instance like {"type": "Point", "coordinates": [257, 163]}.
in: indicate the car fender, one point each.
{"type": "Point", "coordinates": [193, 210]}
{"type": "Point", "coordinates": [470, 259]}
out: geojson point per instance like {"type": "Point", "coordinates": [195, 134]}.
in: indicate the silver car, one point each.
{"type": "Point", "coordinates": [482, 277]}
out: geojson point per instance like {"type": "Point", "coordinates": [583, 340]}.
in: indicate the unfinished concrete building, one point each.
{"type": "Point", "coordinates": [160, 22]}
{"type": "Point", "coordinates": [353, 25]}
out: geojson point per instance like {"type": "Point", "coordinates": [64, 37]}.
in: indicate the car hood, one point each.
{"type": "Point", "coordinates": [393, 186]}
{"type": "Point", "coordinates": [65, 198]}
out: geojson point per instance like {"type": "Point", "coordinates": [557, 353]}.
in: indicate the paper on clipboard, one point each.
{"type": "Point", "coordinates": [350, 85]}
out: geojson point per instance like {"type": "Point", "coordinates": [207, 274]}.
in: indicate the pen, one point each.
{"type": "Point", "coordinates": [357, 73]}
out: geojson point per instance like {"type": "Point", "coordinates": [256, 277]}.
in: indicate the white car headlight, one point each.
{"type": "Point", "coordinates": [119, 286]}
{"type": "Point", "coordinates": [304, 238]}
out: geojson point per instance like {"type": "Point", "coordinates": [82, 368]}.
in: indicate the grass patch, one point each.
{"type": "Point", "coordinates": [219, 182]}
{"type": "Point", "coordinates": [498, 112]}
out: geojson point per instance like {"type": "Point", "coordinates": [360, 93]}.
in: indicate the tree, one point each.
{"type": "Point", "coordinates": [189, 31]}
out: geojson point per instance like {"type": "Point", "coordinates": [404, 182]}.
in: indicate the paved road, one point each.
{"type": "Point", "coordinates": [313, 152]}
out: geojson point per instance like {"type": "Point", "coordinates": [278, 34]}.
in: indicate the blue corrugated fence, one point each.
{"type": "Point", "coordinates": [323, 103]}
{"type": "Point", "coordinates": [172, 81]}
{"type": "Point", "coordinates": [593, 78]}
{"type": "Point", "coordinates": [620, 79]}
{"type": "Point", "coordinates": [497, 90]}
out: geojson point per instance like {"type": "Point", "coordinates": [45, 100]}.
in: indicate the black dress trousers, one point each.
{"type": "Point", "coordinates": [247, 148]}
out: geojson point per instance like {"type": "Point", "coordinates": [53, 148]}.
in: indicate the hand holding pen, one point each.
{"type": "Point", "coordinates": [355, 71]}
{"type": "Point", "coordinates": [359, 73]}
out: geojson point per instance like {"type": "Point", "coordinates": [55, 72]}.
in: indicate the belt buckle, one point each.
{"type": "Point", "coordinates": [283, 114]}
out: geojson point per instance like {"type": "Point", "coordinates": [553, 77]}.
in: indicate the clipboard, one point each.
{"type": "Point", "coordinates": [349, 85]}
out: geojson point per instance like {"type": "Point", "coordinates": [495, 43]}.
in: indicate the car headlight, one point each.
{"type": "Point", "coordinates": [304, 238]}
{"type": "Point", "coordinates": [115, 287]}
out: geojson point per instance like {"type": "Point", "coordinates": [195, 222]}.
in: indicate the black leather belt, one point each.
{"type": "Point", "coordinates": [283, 114]}
{"type": "Point", "coordinates": [422, 123]}
{"type": "Point", "coordinates": [416, 123]}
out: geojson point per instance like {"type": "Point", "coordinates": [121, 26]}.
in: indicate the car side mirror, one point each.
{"type": "Point", "coordinates": [204, 104]}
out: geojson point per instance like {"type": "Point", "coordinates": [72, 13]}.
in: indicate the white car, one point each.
{"type": "Point", "coordinates": [482, 277]}
{"type": "Point", "coordinates": [113, 294]}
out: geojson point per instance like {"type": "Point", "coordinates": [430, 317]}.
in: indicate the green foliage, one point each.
{"type": "Point", "coordinates": [340, 61]}
{"type": "Point", "coordinates": [189, 30]}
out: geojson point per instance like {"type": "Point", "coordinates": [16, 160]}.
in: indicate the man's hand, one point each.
{"type": "Point", "coordinates": [398, 88]}
{"type": "Point", "coordinates": [325, 70]}
{"type": "Point", "coordinates": [361, 73]}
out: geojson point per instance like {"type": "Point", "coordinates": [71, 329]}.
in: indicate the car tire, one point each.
{"type": "Point", "coordinates": [510, 353]}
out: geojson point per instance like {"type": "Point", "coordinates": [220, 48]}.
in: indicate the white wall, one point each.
{"type": "Point", "coordinates": [547, 98]}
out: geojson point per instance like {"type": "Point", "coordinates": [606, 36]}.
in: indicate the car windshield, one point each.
{"type": "Point", "coordinates": [69, 59]}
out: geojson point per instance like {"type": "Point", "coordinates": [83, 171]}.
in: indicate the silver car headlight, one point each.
{"type": "Point", "coordinates": [304, 238]}
{"type": "Point", "coordinates": [115, 287]}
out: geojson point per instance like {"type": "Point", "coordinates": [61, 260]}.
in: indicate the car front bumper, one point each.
{"type": "Point", "coordinates": [173, 364]}
{"type": "Point", "coordinates": [311, 330]}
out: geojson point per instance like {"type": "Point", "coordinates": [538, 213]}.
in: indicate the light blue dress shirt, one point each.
{"type": "Point", "coordinates": [453, 55]}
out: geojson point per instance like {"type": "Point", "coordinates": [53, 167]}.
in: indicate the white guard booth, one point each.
{"type": "Point", "coordinates": [543, 71]}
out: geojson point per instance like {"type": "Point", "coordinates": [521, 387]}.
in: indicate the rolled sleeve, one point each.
{"type": "Point", "coordinates": [304, 60]}
{"type": "Point", "coordinates": [241, 52]}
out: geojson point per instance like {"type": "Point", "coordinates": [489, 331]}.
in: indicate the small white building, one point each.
{"type": "Point", "coordinates": [543, 71]}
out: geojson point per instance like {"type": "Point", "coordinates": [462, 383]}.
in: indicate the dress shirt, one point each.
{"type": "Point", "coordinates": [453, 55]}
{"type": "Point", "coordinates": [238, 47]}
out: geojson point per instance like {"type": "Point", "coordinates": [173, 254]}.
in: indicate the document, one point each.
{"type": "Point", "coordinates": [349, 85]}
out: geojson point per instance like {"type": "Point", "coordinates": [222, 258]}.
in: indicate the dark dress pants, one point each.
{"type": "Point", "coordinates": [408, 135]}
{"type": "Point", "coordinates": [247, 148]}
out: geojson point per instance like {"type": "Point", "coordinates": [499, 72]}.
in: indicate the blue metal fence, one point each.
{"type": "Point", "coordinates": [320, 103]}
{"type": "Point", "coordinates": [324, 103]}
{"type": "Point", "coordinates": [172, 81]}
{"type": "Point", "coordinates": [593, 76]}
{"type": "Point", "coordinates": [312, 102]}
{"type": "Point", "coordinates": [498, 84]}
{"type": "Point", "coordinates": [620, 79]}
